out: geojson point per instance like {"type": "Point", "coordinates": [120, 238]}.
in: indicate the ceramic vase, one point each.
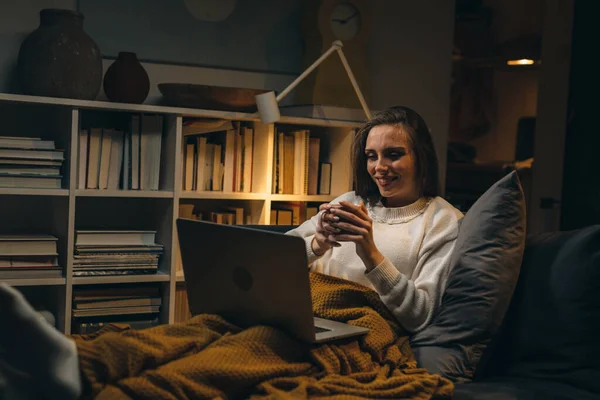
{"type": "Point", "coordinates": [126, 80]}
{"type": "Point", "coordinates": [59, 59]}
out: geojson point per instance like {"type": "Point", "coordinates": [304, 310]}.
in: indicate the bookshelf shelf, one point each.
{"type": "Point", "coordinates": [36, 281]}
{"type": "Point", "coordinates": [184, 112]}
{"type": "Point", "coordinates": [138, 108]}
{"type": "Point", "coordinates": [61, 212]}
{"type": "Point", "coordinates": [148, 194]}
{"type": "Point", "coordinates": [34, 192]}
{"type": "Point", "coordinates": [223, 195]}
{"type": "Point", "coordinates": [298, 197]}
{"type": "Point", "coordinates": [102, 280]}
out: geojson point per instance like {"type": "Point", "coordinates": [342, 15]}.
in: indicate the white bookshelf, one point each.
{"type": "Point", "coordinates": [62, 211]}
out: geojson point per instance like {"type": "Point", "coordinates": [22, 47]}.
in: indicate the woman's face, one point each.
{"type": "Point", "coordinates": [391, 164]}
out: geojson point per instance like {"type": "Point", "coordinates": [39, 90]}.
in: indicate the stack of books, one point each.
{"type": "Point", "coordinates": [137, 306]}
{"type": "Point", "coordinates": [27, 162]}
{"type": "Point", "coordinates": [104, 252]}
{"type": "Point", "coordinates": [29, 256]}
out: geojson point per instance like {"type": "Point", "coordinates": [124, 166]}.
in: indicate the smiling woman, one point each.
{"type": "Point", "coordinates": [394, 233]}
{"type": "Point", "coordinates": [391, 163]}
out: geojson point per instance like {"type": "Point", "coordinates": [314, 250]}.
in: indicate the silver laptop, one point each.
{"type": "Point", "coordinates": [252, 277]}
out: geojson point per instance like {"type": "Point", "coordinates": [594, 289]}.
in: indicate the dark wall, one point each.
{"type": "Point", "coordinates": [581, 180]}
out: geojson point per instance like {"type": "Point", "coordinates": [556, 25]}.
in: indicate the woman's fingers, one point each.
{"type": "Point", "coordinates": [346, 237]}
{"type": "Point", "coordinates": [346, 216]}
{"type": "Point", "coordinates": [324, 230]}
{"type": "Point", "coordinates": [326, 238]}
{"type": "Point", "coordinates": [357, 209]}
{"type": "Point", "coordinates": [349, 228]}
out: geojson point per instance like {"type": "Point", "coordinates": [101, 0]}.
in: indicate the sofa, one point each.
{"type": "Point", "coordinates": [547, 346]}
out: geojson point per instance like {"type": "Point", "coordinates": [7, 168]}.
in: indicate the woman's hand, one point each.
{"type": "Point", "coordinates": [321, 241]}
{"type": "Point", "coordinates": [355, 225]}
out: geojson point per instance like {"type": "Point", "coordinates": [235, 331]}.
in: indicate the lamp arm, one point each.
{"type": "Point", "coordinates": [363, 103]}
{"type": "Point", "coordinates": [337, 45]}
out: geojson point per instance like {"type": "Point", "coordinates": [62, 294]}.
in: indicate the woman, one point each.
{"type": "Point", "coordinates": [393, 233]}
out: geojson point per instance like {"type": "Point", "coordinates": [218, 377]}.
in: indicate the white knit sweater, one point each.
{"type": "Point", "coordinates": [416, 240]}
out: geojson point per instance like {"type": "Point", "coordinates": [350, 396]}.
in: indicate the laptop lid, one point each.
{"type": "Point", "coordinates": [248, 276]}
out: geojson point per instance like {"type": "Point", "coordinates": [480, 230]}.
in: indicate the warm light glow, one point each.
{"type": "Point", "coordinates": [522, 61]}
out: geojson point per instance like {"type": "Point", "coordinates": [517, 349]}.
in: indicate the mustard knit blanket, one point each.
{"type": "Point", "coordinates": [209, 358]}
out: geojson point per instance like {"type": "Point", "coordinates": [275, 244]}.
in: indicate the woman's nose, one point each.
{"type": "Point", "coordinates": [381, 165]}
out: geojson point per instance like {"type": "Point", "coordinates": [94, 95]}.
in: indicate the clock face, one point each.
{"type": "Point", "coordinates": [345, 21]}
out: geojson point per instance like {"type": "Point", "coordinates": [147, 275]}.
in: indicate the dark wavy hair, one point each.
{"type": "Point", "coordinates": [426, 162]}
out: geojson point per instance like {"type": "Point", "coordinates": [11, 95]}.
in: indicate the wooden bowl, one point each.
{"type": "Point", "coordinates": [209, 97]}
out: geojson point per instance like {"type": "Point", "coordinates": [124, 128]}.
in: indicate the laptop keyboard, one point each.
{"type": "Point", "coordinates": [318, 329]}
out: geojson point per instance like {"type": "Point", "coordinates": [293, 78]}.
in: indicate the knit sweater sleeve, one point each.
{"type": "Point", "coordinates": [308, 229]}
{"type": "Point", "coordinates": [413, 300]}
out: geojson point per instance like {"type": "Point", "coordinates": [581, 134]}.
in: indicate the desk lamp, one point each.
{"type": "Point", "coordinates": [267, 103]}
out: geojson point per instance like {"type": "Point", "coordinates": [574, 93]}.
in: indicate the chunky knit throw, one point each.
{"type": "Point", "coordinates": [207, 357]}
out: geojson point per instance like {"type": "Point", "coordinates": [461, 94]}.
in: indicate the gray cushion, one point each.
{"type": "Point", "coordinates": [483, 273]}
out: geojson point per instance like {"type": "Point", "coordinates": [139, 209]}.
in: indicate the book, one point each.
{"type": "Point", "coordinates": [115, 238]}
{"type": "Point", "coordinates": [32, 154]}
{"type": "Point", "coordinates": [93, 160]}
{"type": "Point", "coordinates": [247, 159]}
{"type": "Point", "coordinates": [150, 151]}
{"type": "Point", "coordinates": [313, 166]}
{"type": "Point", "coordinates": [116, 311]}
{"type": "Point", "coordinates": [105, 150]}
{"type": "Point", "coordinates": [24, 273]}
{"type": "Point", "coordinates": [31, 163]}
{"type": "Point", "coordinates": [229, 162]}
{"type": "Point", "coordinates": [189, 172]}
{"type": "Point", "coordinates": [30, 181]}
{"type": "Point", "coordinates": [26, 143]}
{"type": "Point", "coordinates": [116, 160]}
{"type": "Point", "coordinates": [325, 178]}
{"type": "Point", "coordinates": [29, 261]}
{"type": "Point", "coordinates": [28, 244]}
{"type": "Point", "coordinates": [201, 164]}
{"type": "Point", "coordinates": [135, 152]}
{"type": "Point", "coordinates": [31, 170]}
{"type": "Point", "coordinates": [83, 158]}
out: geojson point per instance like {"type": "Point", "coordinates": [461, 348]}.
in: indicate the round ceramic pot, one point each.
{"type": "Point", "coordinates": [126, 80]}
{"type": "Point", "coordinates": [59, 59]}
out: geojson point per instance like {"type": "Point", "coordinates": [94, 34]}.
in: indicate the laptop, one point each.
{"type": "Point", "coordinates": [253, 277]}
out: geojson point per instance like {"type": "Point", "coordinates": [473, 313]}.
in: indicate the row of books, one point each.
{"type": "Point", "coordinates": [282, 213]}
{"type": "Point", "coordinates": [30, 162]}
{"type": "Point", "coordinates": [122, 159]}
{"type": "Point", "coordinates": [25, 256]}
{"type": "Point", "coordinates": [291, 213]}
{"type": "Point", "coordinates": [225, 215]}
{"type": "Point", "coordinates": [297, 168]}
{"type": "Point", "coordinates": [93, 308]}
{"type": "Point", "coordinates": [109, 252]}
{"type": "Point", "coordinates": [218, 156]}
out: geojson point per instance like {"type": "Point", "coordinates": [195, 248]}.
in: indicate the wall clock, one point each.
{"type": "Point", "coordinates": [345, 21]}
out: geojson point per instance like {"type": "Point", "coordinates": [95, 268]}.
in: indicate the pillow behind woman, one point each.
{"type": "Point", "coordinates": [484, 269]}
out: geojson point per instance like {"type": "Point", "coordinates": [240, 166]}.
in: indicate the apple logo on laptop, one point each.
{"type": "Point", "coordinates": [242, 278]}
